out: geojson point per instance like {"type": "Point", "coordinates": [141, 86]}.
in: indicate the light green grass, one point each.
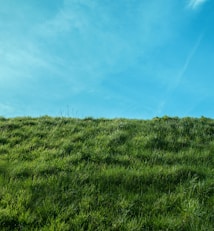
{"type": "Point", "coordinates": [100, 174]}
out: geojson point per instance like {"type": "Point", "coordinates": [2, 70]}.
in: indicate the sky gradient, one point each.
{"type": "Point", "coordinates": [124, 58]}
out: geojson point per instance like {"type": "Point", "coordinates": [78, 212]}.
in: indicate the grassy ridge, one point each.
{"type": "Point", "coordinates": [99, 174]}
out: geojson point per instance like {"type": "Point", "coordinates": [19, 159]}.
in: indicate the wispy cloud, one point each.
{"type": "Point", "coordinates": [188, 60]}
{"type": "Point", "coordinates": [178, 79]}
{"type": "Point", "coordinates": [194, 4]}
{"type": "Point", "coordinates": [97, 42]}
{"type": "Point", "coordinates": [82, 39]}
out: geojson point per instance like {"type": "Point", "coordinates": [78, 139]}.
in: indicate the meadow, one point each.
{"type": "Point", "coordinates": [106, 174]}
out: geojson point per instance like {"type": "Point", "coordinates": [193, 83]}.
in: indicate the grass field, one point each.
{"type": "Point", "coordinates": [99, 174]}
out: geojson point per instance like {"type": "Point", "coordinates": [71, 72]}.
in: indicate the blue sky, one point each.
{"type": "Point", "coordinates": [106, 58]}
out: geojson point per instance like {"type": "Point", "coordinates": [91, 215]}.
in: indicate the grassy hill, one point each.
{"type": "Point", "coordinates": [100, 174]}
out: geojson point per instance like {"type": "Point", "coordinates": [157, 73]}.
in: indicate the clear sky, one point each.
{"type": "Point", "coordinates": [107, 58]}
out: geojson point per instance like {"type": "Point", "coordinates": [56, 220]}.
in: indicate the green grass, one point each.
{"type": "Point", "coordinates": [100, 174]}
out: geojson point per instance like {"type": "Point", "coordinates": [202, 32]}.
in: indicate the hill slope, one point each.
{"type": "Point", "coordinates": [99, 174]}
